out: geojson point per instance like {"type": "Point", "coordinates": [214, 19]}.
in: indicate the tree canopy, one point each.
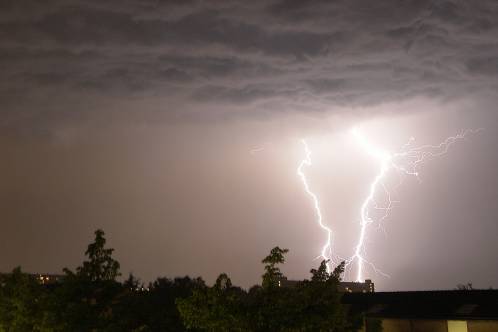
{"type": "Point", "coordinates": [100, 265]}
{"type": "Point", "coordinates": [93, 299]}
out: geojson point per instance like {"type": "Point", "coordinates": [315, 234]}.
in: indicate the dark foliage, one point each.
{"type": "Point", "coordinates": [92, 299]}
{"type": "Point", "coordinates": [312, 305]}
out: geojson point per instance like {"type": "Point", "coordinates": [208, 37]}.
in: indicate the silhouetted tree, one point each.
{"type": "Point", "coordinates": [100, 265]}
{"type": "Point", "coordinates": [85, 299]}
{"type": "Point", "coordinates": [319, 299]}
{"type": "Point", "coordinates": [92, 299]}
{"type": "Point", "coordinates": [21, 302]}
{"type": "Point", "coordinates": [217, 308]}
{"type": "Point", "coordinates": [272, 273]}
{"type": "Point", "coordinates": [162, 296]}
{"type": "Point", "coordinates": [467, 286]}
{"type": "Point", "coordinates": [312, 305]}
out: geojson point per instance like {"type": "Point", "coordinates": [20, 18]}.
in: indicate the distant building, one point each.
{"type": "Point", "coordinates": [284, 282]}
{"type": "Point", "coordinates": [435, 311]}
{"type": "Point", "coordinates": [344, 286]}
{"type": "Point", "coordinates": [43, 279]}
{"type": "Point", "coordinates": [357, 287]}
{"type": "Point", "coordinates": [47, 279]}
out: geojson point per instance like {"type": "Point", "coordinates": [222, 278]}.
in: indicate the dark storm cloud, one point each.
{"type": "Point", "coordinates": [244, 94]}
{"type": "Point", "coordinates": [483, 66]}
{"type": "Point", "coordinates": [317, 53]}
{"type": "Point", "coordinates": [220, 66]}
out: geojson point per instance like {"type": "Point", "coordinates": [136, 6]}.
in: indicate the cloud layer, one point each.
{"type": "Point", "coordinates": [181, 59]}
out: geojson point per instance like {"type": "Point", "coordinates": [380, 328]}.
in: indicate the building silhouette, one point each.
{"type": "Point", "coordinates": [434, 311]}
{"type": "Point", "coordinates": [344, 286]}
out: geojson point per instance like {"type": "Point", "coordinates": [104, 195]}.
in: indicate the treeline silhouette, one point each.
{"type": "Point", "coordinates": [92, 299]}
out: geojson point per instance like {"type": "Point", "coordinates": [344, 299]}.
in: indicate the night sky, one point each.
{"type": "Point", "coordinates": [175, 126]}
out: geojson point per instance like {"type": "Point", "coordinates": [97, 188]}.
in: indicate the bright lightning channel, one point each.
{"type": "Point", "coordinates": [326, 252]}
{"type": "Point", "coordinates": [404, 163]}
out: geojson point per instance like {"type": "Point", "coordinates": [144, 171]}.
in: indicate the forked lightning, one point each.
{"type": "Point", "coordinates": [404, 163]}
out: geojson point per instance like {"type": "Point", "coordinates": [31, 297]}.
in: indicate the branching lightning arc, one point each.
{"type": "Point", "coordinates": [404, 163]}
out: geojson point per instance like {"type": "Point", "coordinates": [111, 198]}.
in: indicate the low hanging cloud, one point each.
{"type": "Point", "coordinates": [65, 57]}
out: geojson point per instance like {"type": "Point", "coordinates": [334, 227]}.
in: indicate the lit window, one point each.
{"type": "Point", "coordinates": [457, 326]}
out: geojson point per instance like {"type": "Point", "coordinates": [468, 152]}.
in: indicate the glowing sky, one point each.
{"type": "Point", "coordinates": [176, 126]}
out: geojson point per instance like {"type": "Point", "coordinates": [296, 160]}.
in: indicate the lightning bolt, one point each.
{"type": "Point", "coordinates": [405, 163]}
{"type": "Point", "coordinates": [326, 252]}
